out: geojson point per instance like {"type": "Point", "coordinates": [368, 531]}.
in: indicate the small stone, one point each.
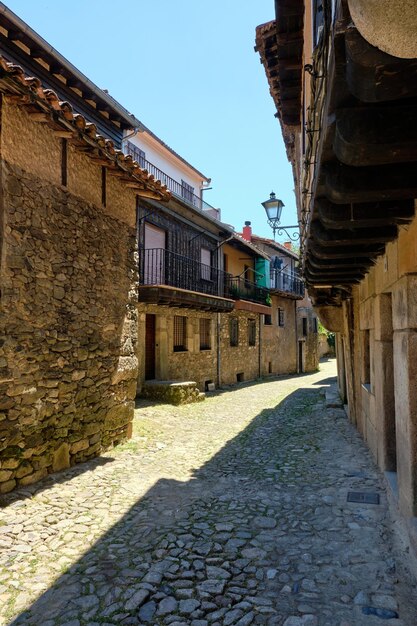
{"type": "Point", "coordinates": [361, 598]}
{"type": "Point", "coordinates": [147, 611]}
{"type": "Point", "coordinates": [271, 573]}
{"type": "Point", "coordinates": [187, 607]}
{"type": "Point", "coordinates": [137, 599]}
{"type": "Point", "coordinates": [167, 605]}
{"type": "Point", "coordinates": [265, 522]}
{"type": "Point", "coordinates": [384, 601]}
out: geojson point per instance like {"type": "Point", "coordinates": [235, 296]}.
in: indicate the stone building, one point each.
{"type": "Point", "coordinates": [289, 292]}
{"type": "Point", "coordinates": [201, 282]}
{"type": "Point", "coordinates": [68, 316]}
{"type": "Point", "coordinates": [343, 76]}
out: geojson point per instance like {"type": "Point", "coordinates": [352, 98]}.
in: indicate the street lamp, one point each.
{"type": "Point", "coordinates": [273, 207]}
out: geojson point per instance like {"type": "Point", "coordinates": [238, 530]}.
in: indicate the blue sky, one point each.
{"type": "Point", "coordinates": [187, 69]}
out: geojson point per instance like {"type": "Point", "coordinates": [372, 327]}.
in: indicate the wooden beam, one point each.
{"type": "Point", "coordinates": [346, 184]}
{"type": "Point", "coordinates": [65, 134]}
{"type": "Point", "coordinates": [332, 264]}
{"type": "Point", "coordinates": [344, 237]}
{"type": "Point", "coordinates": [376, 136]}
{"type": "Point", "coordinates": [40, 117]}
{"type": "Point", "coordinates": [366, 215]}
{"type": "Point", "coordinates": [349, 252]}
{"type": "Point", "coordinates": [375, 76]}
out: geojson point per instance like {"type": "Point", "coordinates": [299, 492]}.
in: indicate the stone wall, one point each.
{"type": "Point", "coordinates": [279, 353]}
{"type": "Point", "coordinates": [242, 362]}
{"type": "Point", "coordinates": [68, 318]}
{"type": "Point", "coordinates": [311, 355]}
{"type": "Point", "coordinates": [193, 364]}
{"type": "Point", "coordinates": [377, 355]}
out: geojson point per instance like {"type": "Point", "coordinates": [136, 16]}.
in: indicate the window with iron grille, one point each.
{"type": "Point", "coordinates": [234, 331]}
{"type": "Point", "coordinates": [180, 333]}
{"type": "Point", "coordinates": [136, 153]}
{"type": "Point", "coordinates": [252, 332]}
{"type": "Point", "coordinates": [304, 322]}
{"type": "Point", "coordinates": [187, 191]}
{"type": "Point", "coordinates": [205, 255]}
{"type": "Point", "coordinates": [205, 334]}
{"type": "Point", "coordinates": [281, 319]}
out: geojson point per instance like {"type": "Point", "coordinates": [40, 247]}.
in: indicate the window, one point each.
{"type": "Point", "coordinates": [187, 191]}
{"type": "Point", "coordinates": [281, 320]}
{"type": "Point", "coordinates": [136, 153]}
{"type": "Point", "coordinates": [304, 322]}
{"type": "Point", "coordinates": [252, 332]}
{"type": "Point", "coordinates": [366, 359]}
{"type": "Point", "coordinates": [234, 331]}
{"type": "Point", "coordinates": [315, 325]}
{"type": "Point", "coordinates": [205, 256]}
{"type": "Point", "coordinates": [205, 334]}
{"type": "Point", "coordinates": [268, 320]}
{"type": "Point", "coordinates": [247, 275]}
{"type": "Point", "coordinates": [180, 333]}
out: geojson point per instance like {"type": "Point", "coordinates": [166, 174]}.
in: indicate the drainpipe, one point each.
{"type": "Point", "coordinates": [218, 350]}
{"type": "Point", "coordinates": [296, 338]}
{"type": "Point", "coordinates": [260, 352]}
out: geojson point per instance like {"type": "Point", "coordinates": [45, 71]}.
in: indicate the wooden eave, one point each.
{"type": "Point", "coordinates": [366, 164]}
{"type": "Point", "coordinates": [43, 51]}
{"type": "Point", "coordinates": [165, 295]}
{"type": "Point", "coordinates": [44, 106]}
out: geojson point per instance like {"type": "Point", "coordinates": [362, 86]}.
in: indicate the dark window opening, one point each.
{"type": "Point", "coordinates": [240, 377]}
{"type": "Point", "coordinates": [270, 367]}
{"type": "Point", "coordinates": [252, 332]}
{"type": "Point", "coordinates": [315, 325]}
{"type": "Point", "coordinates": [366, 359]}
{"type": "Point", "coordinates": [103, 186]}
{"type": "Point", "coordinates": [187, 191]}
{"type": "Point", "coordinates": [304, 322]}
{"type": "Point", "coordinates": [281, 320]}
{"type": "Point", "coordinates": [136, 153]}
{"type": "Point", "coordinates": [205, 334]}
{"type": "Point", "coordinates": [268, 320]}
{"type": "Point", "coordinates": [180, 333]}
{"type": "Point", "coordinates": [64, 162]}
{"type": "Point", "coordinates": [234, 331]}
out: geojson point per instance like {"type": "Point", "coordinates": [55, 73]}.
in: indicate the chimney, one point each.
{"type": "Point", "coordinates": [247, 231]}
{"type": "Point", "coordinates": [288, 245]}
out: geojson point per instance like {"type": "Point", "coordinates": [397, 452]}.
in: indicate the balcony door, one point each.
{"type": "Point", "coordinates": [154, 255]}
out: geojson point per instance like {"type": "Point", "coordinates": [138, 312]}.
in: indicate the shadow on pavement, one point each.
{"type": "Point", "coordinates": [188, 543]}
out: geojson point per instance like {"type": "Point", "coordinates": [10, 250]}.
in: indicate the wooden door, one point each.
{"type": "Point", "coordinates": [150, 347]}
{"type": "Point", "coordinates": [154, 265]}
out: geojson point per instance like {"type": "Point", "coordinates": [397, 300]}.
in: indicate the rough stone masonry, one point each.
{"type": "Point", "coordinates": [68, 320]}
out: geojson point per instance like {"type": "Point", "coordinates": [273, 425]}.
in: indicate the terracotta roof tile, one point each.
{"type": "Point", "coordinates": [27, 91]}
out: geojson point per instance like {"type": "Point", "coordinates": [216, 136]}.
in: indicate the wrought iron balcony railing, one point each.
{"type": "Point", "coordinates": [178, 189]}
{"type": "Point", "coordinates": [240, 288]}
{"type": "Point", "coordinates": [282, 281]}
{"type": "Point", "coordinates": [163, 267]}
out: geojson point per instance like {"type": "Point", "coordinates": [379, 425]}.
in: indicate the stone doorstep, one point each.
{"type": "Point", "coordinates": [333, 399]}
{"type": "Point", "coordinates": [405, 529]}
{"type": "Point", "coordinates": [170, 383]}
{"type": "Point", "coordinates": [174, 392]}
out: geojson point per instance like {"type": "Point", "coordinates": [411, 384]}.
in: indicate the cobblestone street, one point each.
{"type": "Point", "coordinates": [232, 511]}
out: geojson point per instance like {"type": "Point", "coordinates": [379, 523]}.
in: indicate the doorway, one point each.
{"type": "Point", "coordinates": [390, 435]}
{"type": "Point", "coordinates": [300, 357]}
{"type": "Point", "coordinates": [150, 345]}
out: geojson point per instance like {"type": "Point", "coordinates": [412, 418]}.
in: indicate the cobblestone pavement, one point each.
{"type": "Point", "coordinates": [228, 512]}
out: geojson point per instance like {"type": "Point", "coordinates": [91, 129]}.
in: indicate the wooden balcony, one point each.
{"type": "Point", "coordinates": [172, 279]}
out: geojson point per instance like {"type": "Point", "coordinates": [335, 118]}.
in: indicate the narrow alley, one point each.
{"type": "Point", "coordinates": [228, 512]}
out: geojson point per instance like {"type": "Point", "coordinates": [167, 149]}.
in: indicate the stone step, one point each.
{"type": "Point", "coordinates": [172, 391]}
